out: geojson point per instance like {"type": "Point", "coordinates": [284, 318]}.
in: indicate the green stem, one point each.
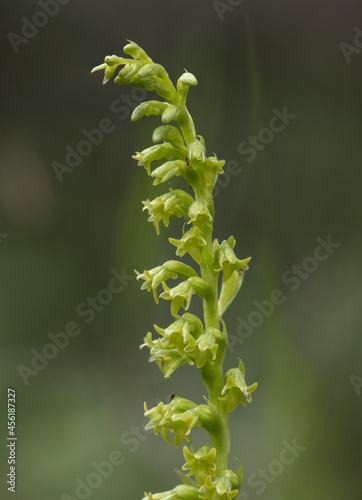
{"type": "Point", "coordinates": [212, 374]}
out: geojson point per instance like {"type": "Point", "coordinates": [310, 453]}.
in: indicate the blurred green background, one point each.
{"type": "Point", "coordinates": [60, 241]}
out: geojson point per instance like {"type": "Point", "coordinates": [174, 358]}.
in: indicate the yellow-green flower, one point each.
{"type": "Point", "coordinates": [226, 260]}
{"type": "Point", "coordinates": [174, 203]}
{"type": "Point", "coordinates": [226, 486]}
{"type": "Point", "coordinates": [236, 388]}
{"type": "Point", "coordinates": [201, 464]}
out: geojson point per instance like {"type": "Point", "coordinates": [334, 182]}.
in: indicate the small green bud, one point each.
{"type": "Point", "coordinates": [149, 108]}
{"type": "Point", "coordinates": [169, 133]}
{"type": "Point", "coordinates": [147, 84]}
{"type": "Point", "coordinates": [147, 70]}
{"type": "Point", "coordinates": [170, 114]}
{"type": "Point", "coordinates": [183, 84]}
{"type": "Point", "coordinates": [135, 51]}
{"type": "Point", "coordinates": [229, 290]}
{"type": "Point", "coordinates": [168, 170]}
{"type": "Point", "coordinates": [188, 79]}
{"type": "Point", "coordinates": [115, 60]}
{"type": "Point", "coordinates": [129, 72]}
{"type": "Point", "coordinates": [197, 151]}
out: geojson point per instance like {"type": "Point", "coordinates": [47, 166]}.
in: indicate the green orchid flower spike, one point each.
{"type": "Point", "coordinates": [178, 151]}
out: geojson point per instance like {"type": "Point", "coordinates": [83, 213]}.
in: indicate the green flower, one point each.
{"type": "Point", "coordinates": [158, 420]}
{"type": "Point", "coordinates": [226, 486]}
{"type": "Point", "coordinates": [170, 269]}
{"type": "Point", "coordinates": [179, 416]}
{"type": "Point", "coordinates": [211, 168]}
{"type": "Point", "coordinates": [180, 492]}
{"type": "Point", "coordinates": [175, 202]}
{"type": "Point", "coordinates": [197, 151]}
{"type": "Point", "coordinates": [191, 242]}
{"type": "Point", "coordinates": [182, 332]}
{"type": "Point", "coordinates": [205, 347]}
{"type": "Point", "coordinates": [157, 152]}
{"type": "Point", "coordinates": [201, 463]}
{"type": "Point", "coordinates": [168, 360]}
{"type": "Point", "coordinates": [181, 294]}
{"type": "Point", "coordinates": [183, 423]}
{"type": "Point", "coordinates": [236, 388]}
{"type": "Point", "coordinates": [199, 213]}
{"type": "Point", "coordinates": [170, 351]}
{"type": "Point", "coordinates": [168, 170]}
{"type": "Point", "coordinates": [226, 260]}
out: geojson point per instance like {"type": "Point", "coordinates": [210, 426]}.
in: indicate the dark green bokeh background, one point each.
{"type": "Point", "coordinates": [64, 239]}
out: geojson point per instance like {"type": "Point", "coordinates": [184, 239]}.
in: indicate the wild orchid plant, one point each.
{"type": "Point", "coordinates": [188, 339]}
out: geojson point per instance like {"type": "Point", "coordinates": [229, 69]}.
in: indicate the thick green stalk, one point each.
{"type": "Point", "coordinates": [212, 374]}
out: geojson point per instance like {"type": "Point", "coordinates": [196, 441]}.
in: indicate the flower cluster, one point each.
{"type": "Point", "coordinates": [179, 416]}
{"type": "Point", "coordinates": [225, 487]}
{"type": "Point", "coordinates": [184, 341]}
{"type": "Point", "coordinates": [177, 151]}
